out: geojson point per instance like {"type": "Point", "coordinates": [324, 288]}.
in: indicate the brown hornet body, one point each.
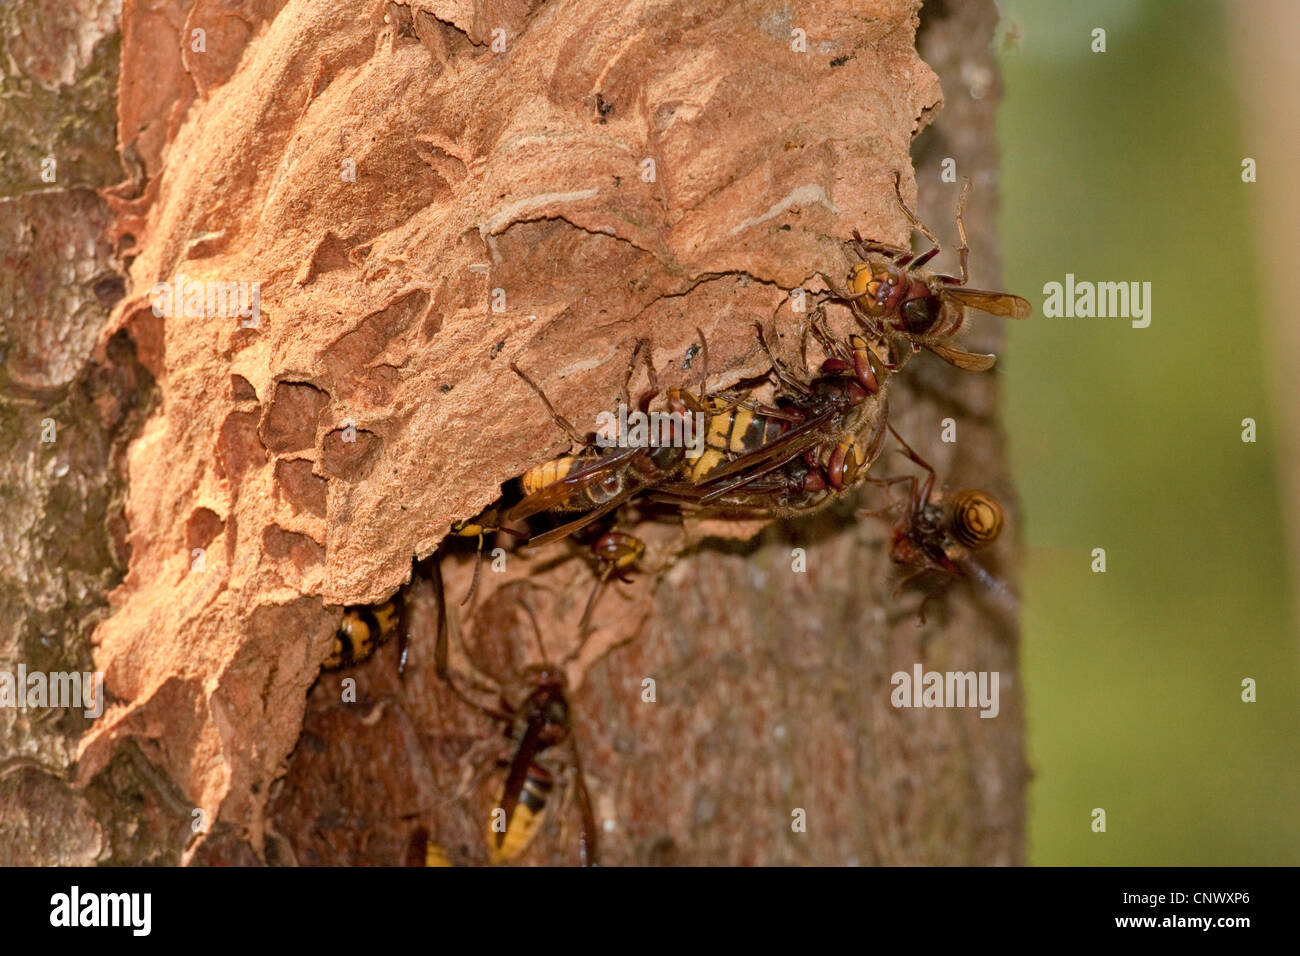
{"type": "Point", "coordinates": [595, 480]}
{"type": "Point", "coordinates": [538, 726]}
{"type": "Point", "coordinates": [794, 455]}
{"type": "Point", "coordinates": [936, 532]}
{"type": "Point", "coordinates": [814, 439]}
{"type": "Point", "coordinates": [535, 716]}
{"type": "Point", "coordinates": [895, 299]}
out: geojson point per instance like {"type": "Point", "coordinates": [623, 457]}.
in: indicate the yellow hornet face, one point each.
{"type": "Point", "coordinates": [880, 287]}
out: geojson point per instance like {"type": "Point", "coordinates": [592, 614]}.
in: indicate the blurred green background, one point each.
{"type": "Point", "coordinates": [1126, 166]}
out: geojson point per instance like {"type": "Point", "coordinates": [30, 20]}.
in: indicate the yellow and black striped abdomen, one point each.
{"type": "Point", "coordinates": [709, 461]}
{"type": "Point", "coordinates": [730, 433]}
{"type": "Point", "coordinates": [526, 819]}
{"type": "Point", "coordinates": [360, 631]}
{"type": "Point", "coordinates": [540, 477]}
{"type": "Point", "coordinates": [549, 472]}
{"type": "Point", "coordinates": [976, 519]}
{"type": "Point", "coordinates": [739, 430]}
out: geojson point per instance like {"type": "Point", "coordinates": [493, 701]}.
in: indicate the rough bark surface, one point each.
{"type": "Point", "coordinates": [521, 169]}
{"type": "Point", "coordinates": [64, 420]}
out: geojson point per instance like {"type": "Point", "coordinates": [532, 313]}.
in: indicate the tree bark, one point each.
{"type": "Point", "coordinates": [424, 192]}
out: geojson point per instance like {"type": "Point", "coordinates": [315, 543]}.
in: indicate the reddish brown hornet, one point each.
{"type": "Point", "coordinates": [534, 713]}
{"type": "Point", "coordinates": [935, 534]}
{"type": "Point", "coordinates": [893, 297]}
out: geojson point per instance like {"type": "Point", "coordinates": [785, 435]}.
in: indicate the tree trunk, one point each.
{"type": "Point", "coordinates": [423, 193]}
